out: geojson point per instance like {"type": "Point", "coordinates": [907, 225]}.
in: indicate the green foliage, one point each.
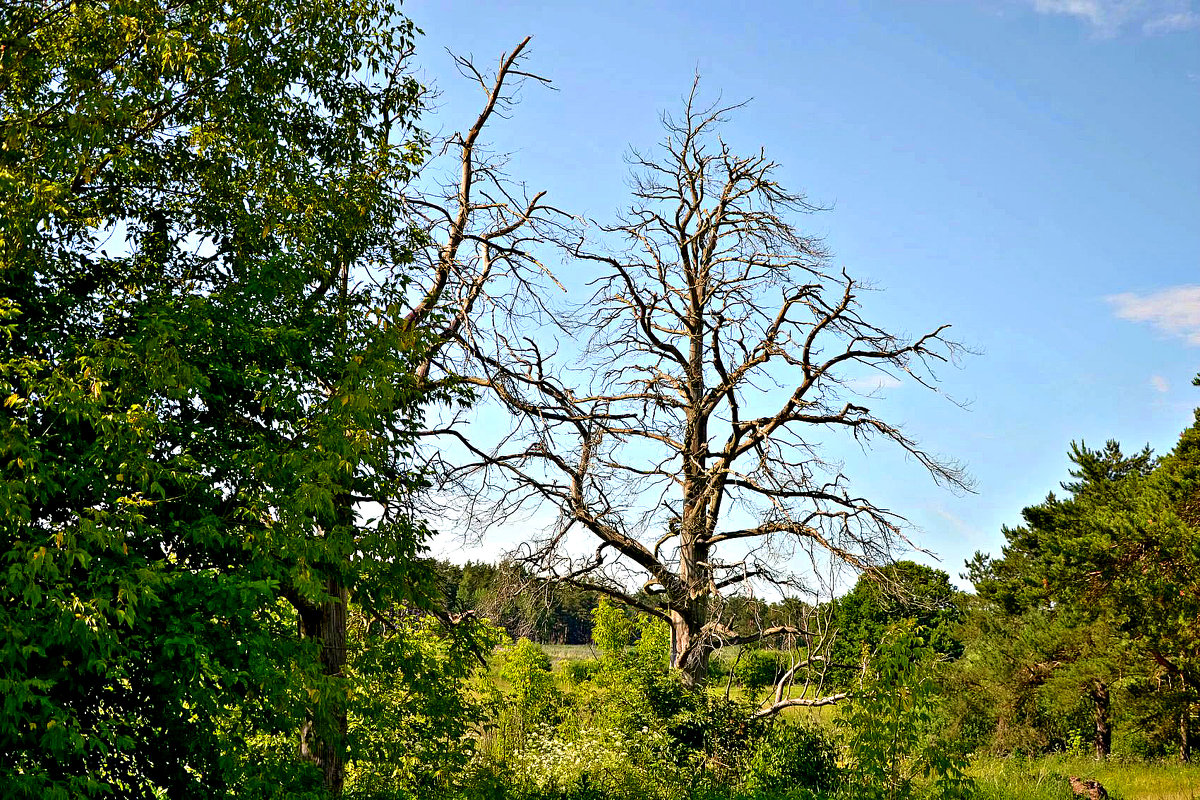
{"type": "Point", "coordinates": [526, 669]}
{"type": "Point", "coordinates": [612, 629]}
{"type": "Point", "coordinates": [895, 593]}
{"type": "Point", "coordinates": [195, 382]}
{"type": "Point", "coordinates": [595, 762]}
{"type": "Point", "coordinates": [1004, 695]}
{"type": "Point", "coordinates": [414, 712]}
{"type": "Point", "coordinates": [523, 605]}
{"type": "Point", "coordinates": [892, 727]}
{"type": "Point", "coordinates": [578, 672]}
{"type": "Point", "coordinates": [1089, 597]}
{"type": "Point", "coordinates": [791, 761]}
{"type": "Point", "coordinates": [652, 649]}
{"type": "Point", "coordinates": [757, 669]}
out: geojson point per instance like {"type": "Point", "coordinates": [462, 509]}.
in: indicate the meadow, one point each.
{"type": "Point", "coordinates": [996, 777]}
{"type": "Point", "coordinates": [1045, 778]}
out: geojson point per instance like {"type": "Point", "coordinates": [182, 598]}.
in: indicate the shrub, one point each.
{"type": "Point", "coordinates": [578, 672]}
{"type": "Point", "coordinates": [595, 762]}
{"type": "Point", "coordinates": [527, 670]}
{"type": "Point", "coordinates": [790, 761]}
{"type": "Point", "coordinates": [612, 629]}
{"type": "Point", "coordinates": [893, 730]}
{"type": "Point", "coordinates": [757, 669]}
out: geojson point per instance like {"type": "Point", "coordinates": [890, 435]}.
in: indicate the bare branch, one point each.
{"type": "Point", "coordinates": [676, 417]}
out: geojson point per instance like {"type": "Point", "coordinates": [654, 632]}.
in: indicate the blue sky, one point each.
{"type": "Point", "coordinates": [1028, 171]}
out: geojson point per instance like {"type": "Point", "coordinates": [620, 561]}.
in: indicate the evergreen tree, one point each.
{"type": "Point", "coordinates": [1095, 585]}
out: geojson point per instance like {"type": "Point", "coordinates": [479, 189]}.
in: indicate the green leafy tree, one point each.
{"type": "Point", "coordinates": [526, 668]}
{"type": "Point", "coordinates": [204, 370]}
{"type": "Point", "coordinates": [893, 728]}
{"type": "Point", "coordinates": [894, 593]}
{"type": "Point", "coordinates": [415, 718]}
{"type": "Point", "coordinates": [612, 629]}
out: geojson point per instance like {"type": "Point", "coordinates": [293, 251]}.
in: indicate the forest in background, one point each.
{"type": "Point", "coordinates": [248, 304]}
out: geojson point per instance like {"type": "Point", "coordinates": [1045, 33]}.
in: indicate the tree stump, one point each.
{"type": "Point", "coordinates": [1086, 787]}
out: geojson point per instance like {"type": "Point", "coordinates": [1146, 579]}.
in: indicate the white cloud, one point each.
{"type": "Point", "coordinates": [1091, 10]}
{"type": "Point", "coordinates": [960, 526]}
{"type": "Point", "coordinates": [1174, 311]}
{"type": "Point", "coordinates": [1160, 384]}
{"type": "Point", "coordinates": [1110, 17]}
{"type": "Point", "coordinates": [1169, 23]}
{"type": "Point", "coordinates": [873, 384]}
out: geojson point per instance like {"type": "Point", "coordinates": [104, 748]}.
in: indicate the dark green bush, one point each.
{"type": "Point", "coordinates": [577, 672]}
{"type": "Point", "coordinates": [758, 669]}
{"type": "Point", "coordinates": [715, 734]}
{"type": "Point", "coordinates": [790, 761]}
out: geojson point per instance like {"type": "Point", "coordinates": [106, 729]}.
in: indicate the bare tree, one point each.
{"type": "Point", "coordinates": [683, 435]}
{"type": "Point", "coordinates": [480, 230]}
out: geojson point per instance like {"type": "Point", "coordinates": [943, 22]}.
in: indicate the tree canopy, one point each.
{"type": "Point", "coordinates": [901, 592]}
{"type": "Point", "coordinates": [1096, 592]}
{"type": "Point", "coordinates": [204, 370]}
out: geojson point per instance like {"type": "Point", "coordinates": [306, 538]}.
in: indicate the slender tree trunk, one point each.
{"type": "Point", "coordinates": [1185, 735]}
{"type": "Point", "coordinates": [322, 735]}
{"type": "Point", "coordinates": [1103, 739]}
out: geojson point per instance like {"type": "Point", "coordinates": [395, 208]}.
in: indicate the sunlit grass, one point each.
{"type": "Point", "coordinates": [1046, 778]}
{"type": "Point", "coordinates": [569, 652]}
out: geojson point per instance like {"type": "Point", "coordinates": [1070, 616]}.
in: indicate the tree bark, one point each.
{"type": "Point", "coordinates": [1103, 738]}
{"type": "Point", "coordinates": [689, 654]}
{"type": "Point", "coordinates": [1185, 735]}
{"type": "Point", "coordinates": [321, 737]}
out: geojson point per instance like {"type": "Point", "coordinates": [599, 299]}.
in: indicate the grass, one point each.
{"type": "Point", "coordinates": [1046, 778]}
{"type": "Point", "coordinates": [560, 653]}
{"type": "Point", "coordinates": [1011, 778]}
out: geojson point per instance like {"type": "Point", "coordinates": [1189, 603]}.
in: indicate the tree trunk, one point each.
{"type": "Point", "coordinates": [689, 654]}
{"type": "Point", "coordinates": [1103, 739]}
{"type": "Point", "coordinates": [323, 733]}
{"type": "Point", "coordinates": [1185, 735]}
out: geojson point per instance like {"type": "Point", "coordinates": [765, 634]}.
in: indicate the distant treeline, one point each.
{"type": "Point", "coordinates": [547, 612]}
{"type": "Point", "coordinates": [524, 606]}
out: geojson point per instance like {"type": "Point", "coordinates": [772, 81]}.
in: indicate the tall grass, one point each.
{"type": "Point", "coordinates": [1046, 778]}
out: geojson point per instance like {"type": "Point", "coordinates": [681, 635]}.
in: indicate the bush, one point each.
{"type": "Point", "coordinates": [757, 669]}
{"type": "Point", "coordinates": [791, 761]}
{"type": "Point", "coordinates": [527, 670]}
{"type": "Point", "coordinates": [578, 672]}
{"type": "Point", "coordinates": [894, 734]}
{"type": "Point", "coordinates": [612, 628]}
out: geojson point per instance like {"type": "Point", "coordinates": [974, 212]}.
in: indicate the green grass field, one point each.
{"type": "Point", "coordinates": [569, 652]}
{"type": "Point", "coordinates": [1046, 778]}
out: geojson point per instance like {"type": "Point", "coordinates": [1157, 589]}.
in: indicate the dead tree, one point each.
{"type": "Point", "coordinates": [683, 433]}
{"type": "Point", "coordinates": [480, 232]}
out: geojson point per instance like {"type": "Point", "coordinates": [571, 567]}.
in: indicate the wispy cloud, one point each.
{"type": "Point", "coordinates": [1174, 311]}
{"type": "Point", "coordinates": [1169, 23]}
{"type": "Point", "coordinates": [872, 384]}
{"type": "Point", "coordinates": [1160, 384]}
{"type": "Point", "coordinates": [959, 525]}
{"type": "Point", "coordinates": [1110, 17]}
